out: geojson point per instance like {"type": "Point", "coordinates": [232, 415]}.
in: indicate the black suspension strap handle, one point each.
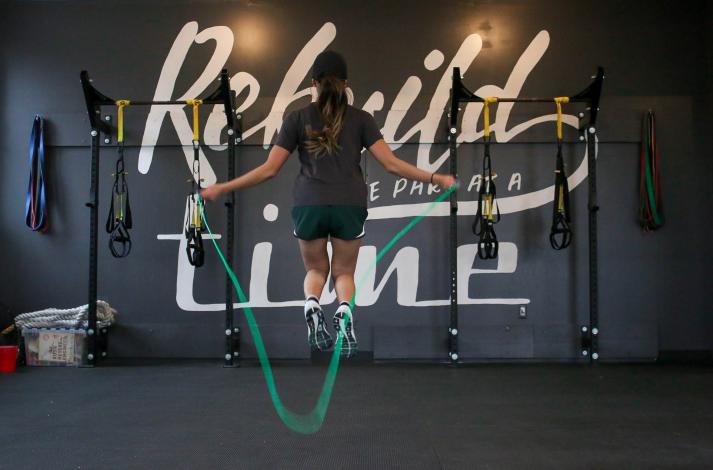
{"type": "Point", "coordinates": [483, 225]}
{"type": "Point", "coordinates": [194, 246]}
{"type": "Point", "coordinates": [119, 220]}
{"type": "Point", "coordinates": [560, 232]}
{"type": "Point", "coordinates": [194, 210]}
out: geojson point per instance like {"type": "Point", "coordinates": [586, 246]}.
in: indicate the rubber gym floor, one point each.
{"type": "Point", "coordinates": [197, 414]}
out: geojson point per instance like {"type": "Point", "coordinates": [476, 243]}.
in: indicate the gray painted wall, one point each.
{"type": "Point", "coordinates": [652, 286]}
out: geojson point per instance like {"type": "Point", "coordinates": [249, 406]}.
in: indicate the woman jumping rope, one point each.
{"type": "Point", "coordinates": [329, 192]}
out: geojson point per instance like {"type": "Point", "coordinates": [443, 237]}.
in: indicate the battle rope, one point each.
{"type": "Point", "coordinates": [36, 203]}
{"type": "Point", "coordinates": [311, 422]}
{"type": "Point", "coordinates": [119, 221]}
{"type": "Point", "coordinates": [193, 226]}
{"type": "Point", "coordinates": [76, 317]}
{"type": "Point", "coordinates": [650, 214]}
{"type": "Point", "coordinates": [560, 233]}
{"type": "Point", "coordinates": [483, 225]}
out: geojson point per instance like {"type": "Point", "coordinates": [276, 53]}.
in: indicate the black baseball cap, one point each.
{"type": "Point", "coordinates": [329, 63]}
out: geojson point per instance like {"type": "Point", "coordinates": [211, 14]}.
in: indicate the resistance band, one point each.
{"type": "Point", "coordinates": [194, 223]}
{"type": "Point", "coordinates": [311, 422]}
{"type": "Point", "coordinates": [560, 233]}
{"type": "Point", "coordinates": [483, 225]}
{"type": "Point", "coordinates": [650, 214]}
{"type": "Point", "coordinates": [36, 202]}
{"type": "Point", "coordinates": [119, 221]}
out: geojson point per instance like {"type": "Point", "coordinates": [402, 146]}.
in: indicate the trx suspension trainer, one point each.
{"type": "Point", "coordinates": [560, 233]}
{"type": "Point", "coordinates": [119, 221]}
{"type": "Point", "coordinates": [194, 210]}
{"type": "Point", "coordinates": [484, 219]}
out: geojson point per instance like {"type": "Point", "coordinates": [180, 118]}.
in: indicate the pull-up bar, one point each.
{"type": "Point", "coordinates": [151, 103]}
{"type": "Point", "coordinates": [95, 100]}
{"type": "Point", "coordinates": [590, 96]}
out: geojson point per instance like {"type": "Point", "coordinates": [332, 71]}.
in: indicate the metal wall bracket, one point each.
{"type": "Point", "coordinates": [589, 343]}
{"type": "Point", "coordinates": [107, 137]}
{"type": "Point", "coordinates": [585, 341]}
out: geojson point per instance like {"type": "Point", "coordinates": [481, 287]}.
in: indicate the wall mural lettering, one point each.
{"type": "Point", "coordinates": [406, 260]}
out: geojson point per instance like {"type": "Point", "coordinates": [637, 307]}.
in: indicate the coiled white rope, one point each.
{"type": "Point", "coordinates": [76, 317]}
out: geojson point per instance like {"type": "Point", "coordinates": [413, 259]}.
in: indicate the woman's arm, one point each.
{"type": "Point", "coordinates": [275, 160]}
{"type": "Point", "coordinates": [398, 167]}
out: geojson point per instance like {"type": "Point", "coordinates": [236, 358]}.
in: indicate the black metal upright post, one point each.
{"type": "Point", "coordinates": [590, 333]}
{"type": "Point", "coordinates": [93, 205]}
{"type": "Point", "coordinates": [593, 208]}
{"type": "Point", "coordinates": [231, 332]}
{"type": "Point", "coordinates": [93, 100]}
{"type": "Point", "coordinates": [453, 223]}
{"type": "Point", "coordinates": [237, 140]}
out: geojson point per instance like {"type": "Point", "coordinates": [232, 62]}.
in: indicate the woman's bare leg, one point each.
{"type": "Point", "coordinates": [344, 259]}
{"type": "Point", "coordinates": [316, 261]}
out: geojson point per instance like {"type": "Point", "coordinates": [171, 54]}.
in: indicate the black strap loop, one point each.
{"type": "Point", "coordinates": [193, 232]}
{"type": "Point", "coordinates": [488, 242]}
{"type": "Point", "coordinates": [120, 241]}
{"type": "Point", "coordinates": [560, 232]}
{"type": "Point", "coordinates": [194, 248]}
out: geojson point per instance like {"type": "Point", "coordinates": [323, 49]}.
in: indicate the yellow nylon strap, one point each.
{"type": "Point", "coordinates": [560, 206]}
{"type": "Point", "coordinates": [558, 101]}
{"type": "Point", "coordinates": [121, 104]}
{"type": "Point", "coordinates": [489, 207]}
{"type": "Point", "coordinates": [197, 215]}
{"type": "Point", "coordinates": [486, 113]}
{"type": "Point", "coordinates": [195, 104]}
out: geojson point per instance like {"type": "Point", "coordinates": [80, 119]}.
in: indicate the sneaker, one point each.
{"type": "Point", "coordinates": [317, 335]}
{"type": "Point", "coordinates": [344, 324]}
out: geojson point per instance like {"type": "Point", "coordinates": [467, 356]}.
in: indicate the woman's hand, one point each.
{"type": "Point", "coordinates": [444, 181]}
{"type": "Point", "coordinates": [398, 167]}
{"type": "Point", "coordinates": [211, 193]}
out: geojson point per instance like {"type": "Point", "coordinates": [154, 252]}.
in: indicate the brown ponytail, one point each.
{"type": "Point", "coordinates": [332, 104]}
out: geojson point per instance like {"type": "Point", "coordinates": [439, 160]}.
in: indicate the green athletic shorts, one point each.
{"type": "Point", "coordinates": [343, 222]}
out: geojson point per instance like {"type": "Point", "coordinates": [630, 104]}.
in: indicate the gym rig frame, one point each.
{"type": "Point", "coordinates": [97, 340]}
{"type": "Point", "coordinates": [590, 96]}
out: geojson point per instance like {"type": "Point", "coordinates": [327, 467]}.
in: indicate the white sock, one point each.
{"type": "Point", "coordinates": [346, 309]}
{"type": "Point", "coordinates": [311, 303]}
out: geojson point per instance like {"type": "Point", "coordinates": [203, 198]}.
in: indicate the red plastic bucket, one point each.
{"type": "Point", "coordinates": [8, 358]}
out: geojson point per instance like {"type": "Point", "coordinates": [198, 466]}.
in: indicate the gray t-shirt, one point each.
{"type": "Point", "coordinates": [334, 179]}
